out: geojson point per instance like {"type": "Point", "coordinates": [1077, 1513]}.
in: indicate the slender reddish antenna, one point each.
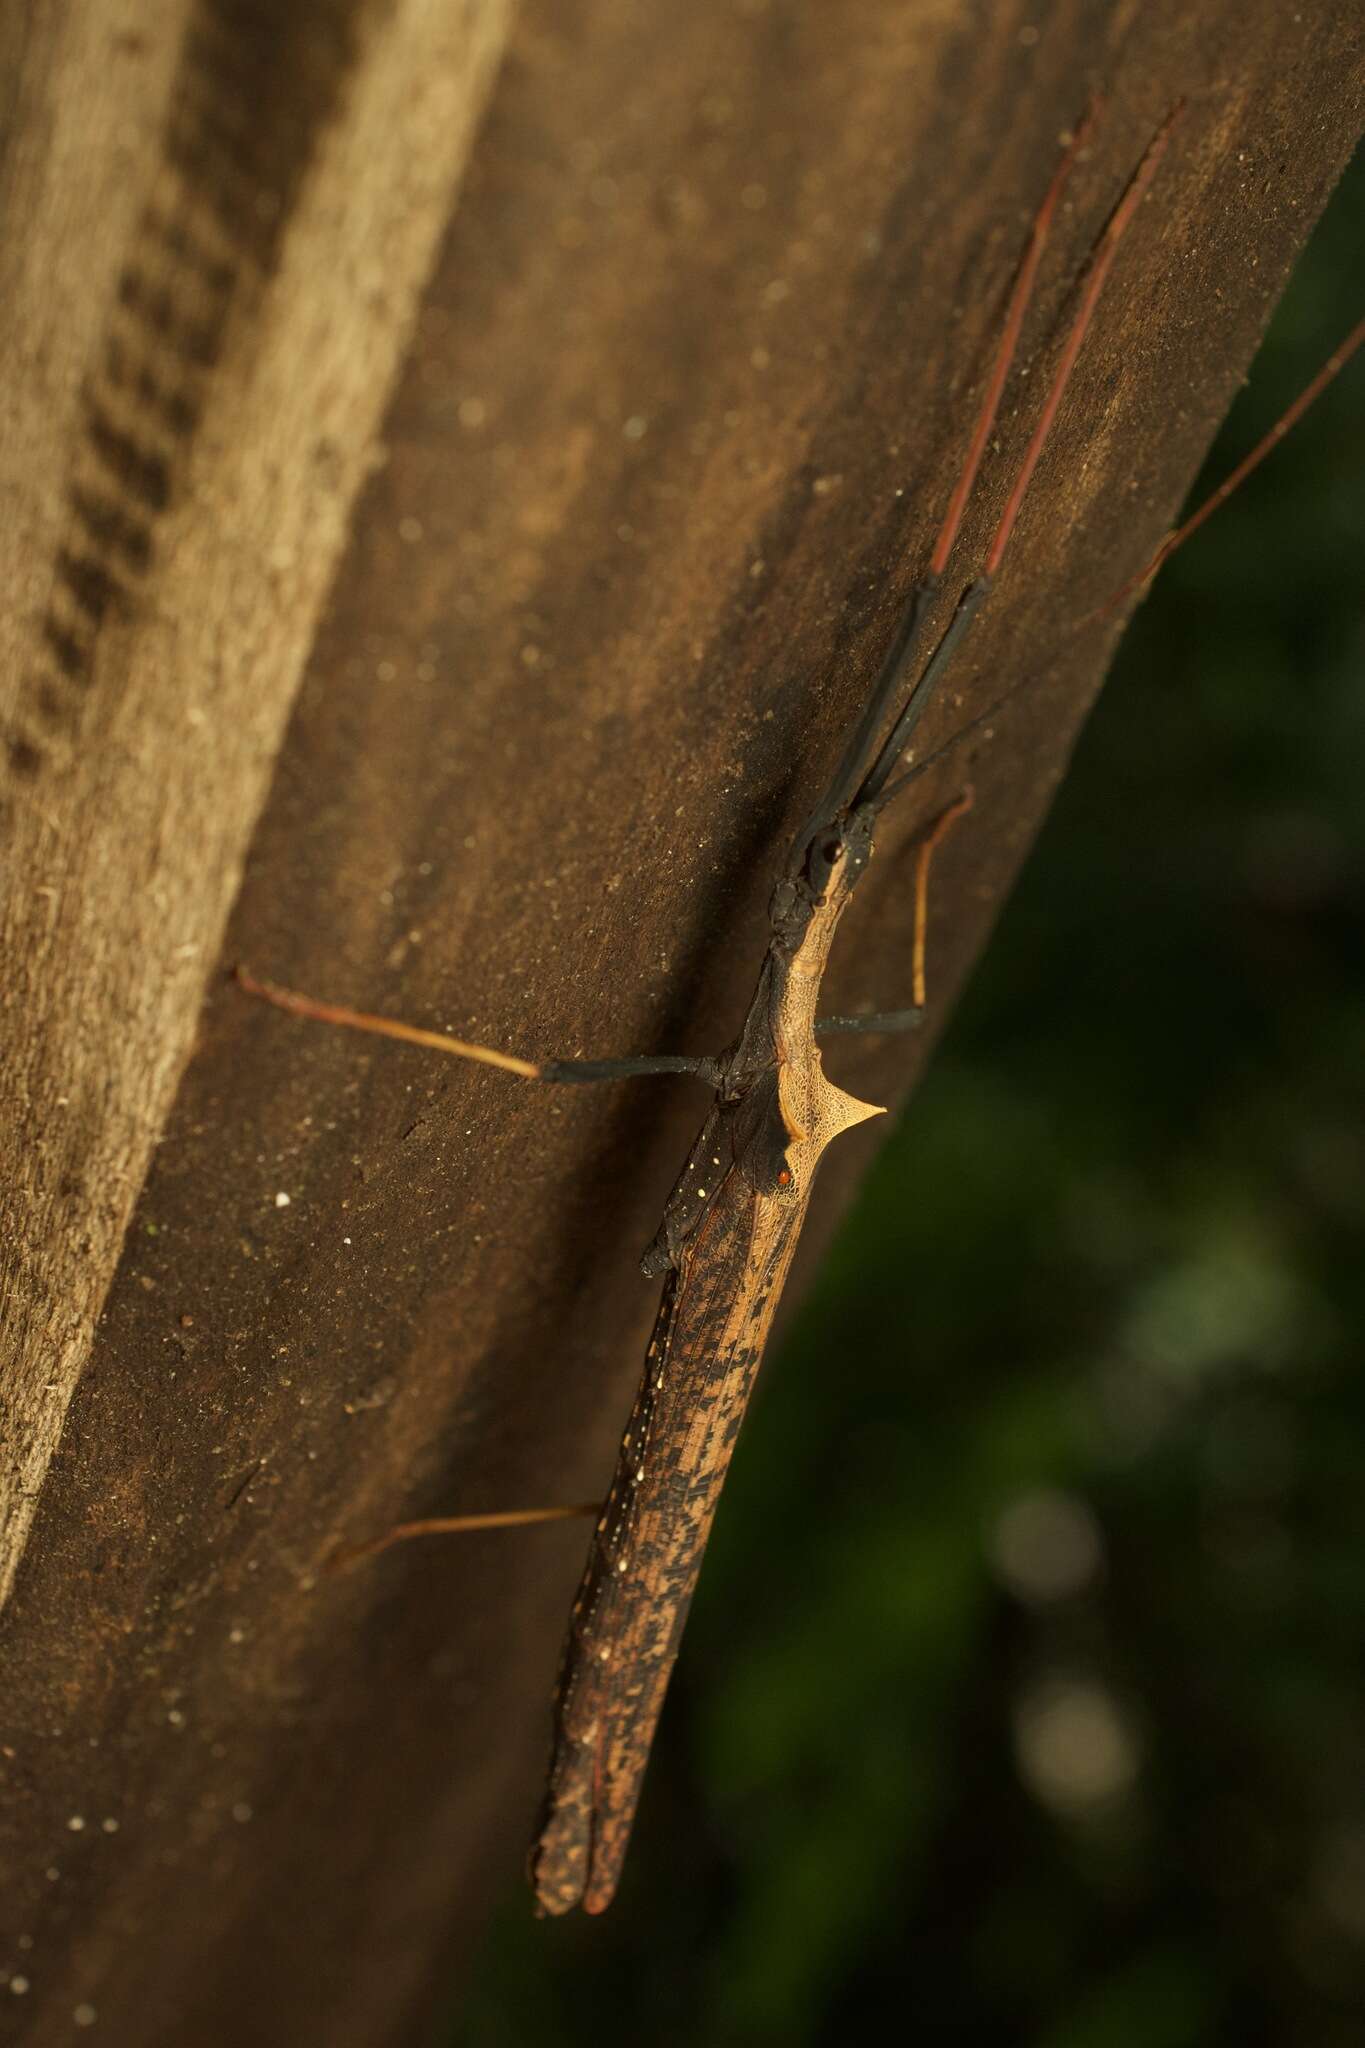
{"type": "Point", "coordinates": [1094, 285]}
{"type": "Point", "coordinates": [1331, 368]}
{"type": "Point", "coordinates": [1009, 340]}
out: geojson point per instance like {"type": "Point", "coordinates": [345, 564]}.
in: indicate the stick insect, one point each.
{"type": "Point", "coordinates": [732, 1222]}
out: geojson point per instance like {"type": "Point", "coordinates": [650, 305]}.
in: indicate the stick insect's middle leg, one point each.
{"type": "Point", "coordinates": [571, 1070]}
{"type": "Point", "coordinates": [910, 1020]}
{"type": "Point", "coordinates": [924, 854]}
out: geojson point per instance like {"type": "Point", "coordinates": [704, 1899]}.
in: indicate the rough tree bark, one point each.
{"type": "Point", "coordinates": [665, 439]}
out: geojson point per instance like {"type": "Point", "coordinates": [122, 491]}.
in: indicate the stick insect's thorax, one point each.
{"type": "Point", "coordinates": [775, 1112]}
{"type": "Point", "coordinates": [807, 905]}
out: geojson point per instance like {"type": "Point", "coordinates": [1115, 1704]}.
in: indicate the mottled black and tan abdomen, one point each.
{"type": "Point", "coordinates": [560, 1853]}
{"type": "Point", "coordinates": [628, 1619]}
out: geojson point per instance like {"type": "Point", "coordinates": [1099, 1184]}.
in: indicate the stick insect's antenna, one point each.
{"type": "Point", "coordinates": [840, 792]}
{"type": "Point", "coordinates": [874, 785]}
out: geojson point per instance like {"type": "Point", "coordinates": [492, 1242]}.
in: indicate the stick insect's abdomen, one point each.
{"type": "Point", "coordinates": [713, 1322]}
{"type": "Point", "coordinates": [560, 1855]}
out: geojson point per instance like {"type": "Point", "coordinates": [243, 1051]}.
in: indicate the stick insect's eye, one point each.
{"type": "Point", "coordinates": [822, 859]}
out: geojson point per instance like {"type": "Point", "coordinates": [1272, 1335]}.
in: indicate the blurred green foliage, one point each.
{"type": "Point", "coordinates": [1024, 1697]}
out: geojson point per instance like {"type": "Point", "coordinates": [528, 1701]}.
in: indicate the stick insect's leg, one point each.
{"type": "Point", "coordinates": [876, 1022]}
{"type": "Point", "coordinates": [297, 1005]}
{"type": "Point", "coordinates": [891, 678]}
{"type": "Point", "coordinates": [876, 787]}
{"type": "Point", "coordinates": [845, 781]}
{"type": "Point", "coordinates": [1336, 362]}
{"type": "Point", "coordinates": [456, 1525]}
{"type": "Point", "coordinates": [924, 854]}
{"type": "Point", "coordinates": [910, 1020]}
{"type": "Point", "coordinates": [531, 1070]}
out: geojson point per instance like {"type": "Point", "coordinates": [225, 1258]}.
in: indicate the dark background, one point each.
{"type": "Point", "coordinates": [1023, 1693]}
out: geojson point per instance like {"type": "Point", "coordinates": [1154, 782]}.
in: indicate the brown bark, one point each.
{"type": "Point", "coordinates": [681, 404]}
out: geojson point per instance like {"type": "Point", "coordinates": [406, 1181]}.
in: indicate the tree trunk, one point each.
{"type": "Point", "coordinates": [451, 611]}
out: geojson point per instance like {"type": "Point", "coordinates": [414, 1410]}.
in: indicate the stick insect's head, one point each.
{"type": "Point", "coordinates": [842, 845]}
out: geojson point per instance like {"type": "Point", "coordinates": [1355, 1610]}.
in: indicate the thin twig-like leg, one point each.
{"type": "Point", "coordinates": [458, 1525]}
{"type": "Point", "coordinates": [924, 854]}
{"type": "Point", "coordinates": [891, 676]}
{"type": "Point", "coordinates": [1335, 363]}
{"type": "Point", "coordinates": [875, 1023]}
{"type": "Point", "coordinates": [876, 785]}
{"type": "Point", "coordinates": [910, 1020]}
{"type": "Point", "coordinates": [628, 1069]}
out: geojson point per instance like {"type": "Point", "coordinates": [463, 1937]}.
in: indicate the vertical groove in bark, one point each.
{"type": "Point", "coordinates": [214, 263]}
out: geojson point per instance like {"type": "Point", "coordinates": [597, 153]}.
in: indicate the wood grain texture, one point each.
{"type": "Point", "coordinates": [217, 224]}
{"type": "Point", "coordinates": [692, 374]}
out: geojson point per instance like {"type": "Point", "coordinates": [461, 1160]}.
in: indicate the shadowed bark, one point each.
{"type": "Point", "coordinates": [666, 444]}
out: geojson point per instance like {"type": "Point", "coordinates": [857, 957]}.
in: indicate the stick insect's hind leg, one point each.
{"type": "Point", "coordinates": [298, 1005]}
{"type": "Point", "coordinates": [629, 1069]}
{"type": "Point", "coordinates": [455, 1525]}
